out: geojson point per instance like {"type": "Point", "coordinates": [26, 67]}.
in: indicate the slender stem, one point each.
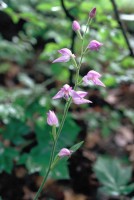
{"type": "Point", "coordinates": [82, 48]}
{"type": "Point", "coordinates": [63, 118]}
{"type": "Point", "coordinates": [47, 173]}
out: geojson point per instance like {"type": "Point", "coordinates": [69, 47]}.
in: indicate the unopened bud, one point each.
{"type": "Point", "coordinates": [92, 13]}
{"type": "Point", "coordinates": [94, 45]}
{"type": "Point", "coordinates": [65, 152]}
{"type": "Point", "coordinates": [75, 26]}
{"type": "Point", "coordinates": [52, 119]}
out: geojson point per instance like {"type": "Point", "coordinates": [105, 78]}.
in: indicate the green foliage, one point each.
{"type": "Point", "coordinates": [113, 176]}
{"type": "Point", "coordinates": [28, 114]}
{"type": "Point", "coordinates": [108, 122]}
{"type": "Point", "coordinates": [14, 131]}
{"type": "Point", "coordinates": [7, 157]}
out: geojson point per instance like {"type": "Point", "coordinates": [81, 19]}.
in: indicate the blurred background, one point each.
{"type": "Point", "coordinates": [31, 32]}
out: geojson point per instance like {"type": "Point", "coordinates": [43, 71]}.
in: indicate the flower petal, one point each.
{"type": "Point", "coordinates": [74, 94]}
{"type": "Point", "coordinates": [62, 59]}
{"type": "Point", "coordinates": [79, 101]}
{"type": "Point", "coordinates": [85, 79]}
{"type": "Point", "coordinates": [65, 52]}
{"type": "Point", "coordinates": [82, 93]}
{"type": "Point", "coordinates": [59, 95]}
{"type": "Point", "coordinates": [93, 73]}
{"type": "Point", "coordinates": [98, 82]}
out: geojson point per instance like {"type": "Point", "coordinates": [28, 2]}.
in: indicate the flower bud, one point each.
{"type": "Point", "coordinates": [65, 152]}
{"type": "Point", "coordinates": [92, 13]}
{"type": "Point", "coordinates": [52, 120]}
{"type": "Point", "coordinates": [94, 45]}
{"type": "Point", "coordinates": [75, 26]}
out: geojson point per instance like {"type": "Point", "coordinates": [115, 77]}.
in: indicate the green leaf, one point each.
{"type": "Point", "coordinates": [69, 133]}
{"type": "Point", "coordinates": [38, 161]}
{"type": "Point", "coordinates": [127, 189]}
{"type": "Point", "coordinates": [109, 191]}
{"type": "Point", "coordinates": [113, 176]}
{"type": "Point", "coordinates": [76, 146]}
{"type": "Point", "coordinates": [60, 170]}
{"type": "Point", "coordinates": [15, 130]}
{"type": "Point", "coordinates": [12, 14]}
{"type": "Point", "coordinates": [7, 157]}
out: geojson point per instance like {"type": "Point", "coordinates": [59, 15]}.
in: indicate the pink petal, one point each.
{"type": "Point", "coordinates": [98, 82]}
{"type": "Point", "coordinates": [65, 52]}
{"type": "Point", "coordinates": [93, 73]}
{"type": "Point", "coordinates": [74, 94]}
{"type": "Point", "coordinates": [79, 101]}
{"type": "Point", "coordinates": [62, 59]}
{"type": "Point", "coordinates": [60, 94]}
{"type": "Point", "coordinates": [67, 87]}
{"type": "Point", "coordinates": [85, 79]}
{"type": "Point", "coordinates": [82, 93]}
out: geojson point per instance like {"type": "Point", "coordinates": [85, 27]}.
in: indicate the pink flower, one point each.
{"type": "Point", "coordinates": [94, 77]}
{"type": "Point", "coordinates": [65, 92]}
{"type": "Point", "coordinates": [66, 55]}
{"type": "Point", "coordinates": [80, 100]}
{"type": "Point", "coordinates": [92, 13]}
{"type": "Point", "coordinates": [75, 26]}
{"type": "Point", "coordinates": [52, 120]}
{"type": "Point", "coordinates": [94, 45]}
{"type": "Point", "coordinates": [65, 152]}
{"type": "Point", "coordinates": [77, 96]}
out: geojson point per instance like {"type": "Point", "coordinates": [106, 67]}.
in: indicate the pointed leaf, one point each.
{"type": "Point", "coordinates": [76, 146]}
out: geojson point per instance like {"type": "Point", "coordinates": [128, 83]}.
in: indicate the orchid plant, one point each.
{"type": "Point", "coordinates": [71, 94]}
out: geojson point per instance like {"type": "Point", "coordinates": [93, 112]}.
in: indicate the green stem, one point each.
{"type": "Point", "coordinates": [63, 118]}
{"type": "Point", "coordinates": [47, 173]}
{"type": "Point", "coordinates": [82, 48]}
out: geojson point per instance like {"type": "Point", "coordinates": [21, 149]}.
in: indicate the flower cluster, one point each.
{"type": "Point", "coordinates": [69, 93]}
